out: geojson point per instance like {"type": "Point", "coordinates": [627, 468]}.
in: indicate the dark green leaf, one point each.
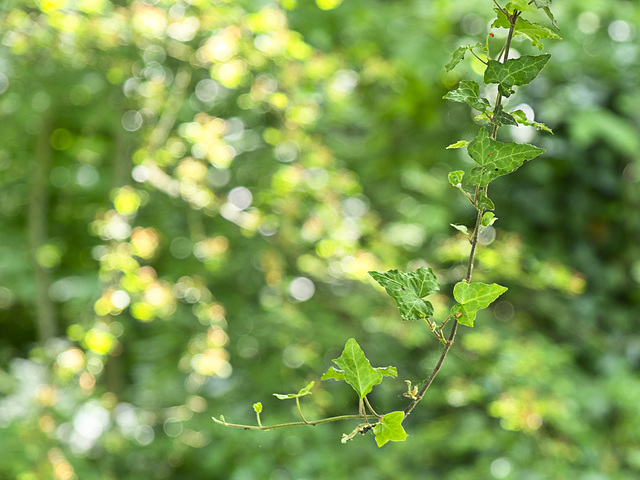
{"type": "Point", "coordinates": [497, 158]}
{"type": "Point", "coordinates": [390, 429]}
{"type": "Point", "coordinates": [408, 290]}
{"type": "Point", "coordinates": [472, 297]}
{"type": "Point", "coordinates": [485, 202]}
{"type": "Point", "coordinates": [503, 118]}
{"type": "Point", "coordinates": [514, 72]}
{"type": "Point", "coordinates": [468, 92]}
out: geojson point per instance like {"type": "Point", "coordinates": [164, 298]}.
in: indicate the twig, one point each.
{"type": "Point", "coordinates": [312, 423]}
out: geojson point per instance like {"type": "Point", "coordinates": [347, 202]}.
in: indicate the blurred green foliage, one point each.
{"type": "Point", "coordinates": [192, 192]}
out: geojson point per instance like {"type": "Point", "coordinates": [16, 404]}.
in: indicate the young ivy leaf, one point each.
{"type": "Point", "coordinates": [514, 72]}
{"type": "Point", "coordinates": [472, 297]}
{"type": "Point", "coordinates": [257, 407]}
{"type": "Point", "coordinates": [521, 118]}
{"type": "Point", "coordinates": [488, 218]}
{"type": "Point", "coordinates": [458, 144]}
{"type": "Point", "coordinates": [458, 56]}
{"type": "Point", "coordinates": [409, 289]}
{"type": "Point", "coordinates": [304, 391]}
{"type": "Point", "coordinates": [455, 178]}
{"type": "Point", "coordinates": [356, 370]}
{"type": "Point", "coordinates": [468, 92]}
{"type": "Point", "coordinates": [531, 31]}
{"type": "Point", "coordinates": [460, 228]}
{"type": "Point", "coordinates": [500, 117]}
{"type": "Point", "coordinates": [390, 429]}
{"type": "Point", "coordinates": [497, 158]}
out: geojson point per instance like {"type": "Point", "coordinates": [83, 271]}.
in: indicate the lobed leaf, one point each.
{"type": "Point", "coordinates": [356, 370]}
{"type": "Point", "coordinates": [468, 92]}
{"type": "Point", "coordinates": [390, 429]}
{"type": "Point", "coordinates": [514, 72]}
{"type": "Point", "coordinates": [496, 158]}
{"type": "Point", "coordinates": [455, 178]}
{"type": "Point", "coordinates": [460, 228]}
{"type": "Point", "coordinates": [303, 391]}
{"type": "Point", "coordinates": [488, 218]}
{"type": "Point", "coordinates": [472, 297]}
{"type": "Point", "coordinates": [409, 289]}
{"type": "Point", "coordinates": [534, 32]}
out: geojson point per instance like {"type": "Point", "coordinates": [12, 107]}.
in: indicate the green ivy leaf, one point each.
{"type": "Point", "coordinates": [500, 117]}
{"type": "Point", "coordinates": [458, 56]}
{"type": "Point", "coordinates": [472, 297]}
{"type": "Point", "coordinates": [458, 144]}
{"type": "Point", "coordinates": [460, 228]}
{"type": "Point", "coordinates": [497, 158]}
{"type": "Point", "coordinates": [488, 218]}
{"type": "Point", "coordinates": [455, 178]}
{"type": "Point", "coordinates": [531, 31]}
{"type": "Point", "coordinates": [522, 5]}
{"type": "Point", "coordinates": [545, 4]}
{"type": "Point", "coordinates": [408, 290]}
{"type": "Point", "coordinates": [485, 202]}
{"type": "Point", "coordinates": [514, 72]}
{"type": "Point", "coordinates": [356, 370]}
{"type": "Point", "coordinates": [304, 391]}
{"type": "Point", "coordinates": [390, 429]}
{"type": "Point", "coordinates": [257, 407]}
{"type": "Point", "coordinates": [521, 118]}
{"type": "Point", "coordinates": [468, 92]}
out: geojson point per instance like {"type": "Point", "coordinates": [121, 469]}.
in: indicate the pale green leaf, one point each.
{"type": "Point", "coordinates": [257, 407]}
{"type": "Point", "coordinates": [390, 429]}
{"type": "Point", "coordinates": [468, 92]}
{"type": "Point", "coordinates": [387, 371]}
{"type": "Point", "coordinates": [356, 370]}
{"type": "Point", "coordinates": [304, 391]}
{"type": "Point", "coordinates": [472, 297]}
{"type": "Point", "coordinates": [408, 290]}
{"type": "Point", "coordinates": [521, 118]}
{"type": "Point", "coordinates": [458, 144]}
{"type": "Point", "coordinates": [488, 218]}
{"type": "Point", "coordinates": [455, 178]}
{"type": "Point", "coordinates": [333, 374]}
{"type": "Point", "coordinates": [497, 158]}
{"type": "Point", "coordinates": [514, 72]}
{"type": "Point", "coordinates": [460, 228]}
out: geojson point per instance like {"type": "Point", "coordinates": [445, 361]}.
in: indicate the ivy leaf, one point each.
{"type": "Point", "coordinates": [455, 178]}
{"type": "Point", "coordinates": [356, 370]}
{"type": "Point", "coordinates": [472, 297]}
{"type": "Point", "coordinates": [497, 158]}
{"type": "Point", "coordinates": [304, 391]}
{"type": "Point", "coordinates": [488, 218]}
{"type": "Point", "coordinates": [408, 290]}
{"type": "Point", "coordinates": [532, 31]}
{"type": "Point", "coordinates": [333, 373]}
{"type": "Point", "coordinates": [468, 92]}
{"type": "Point", "coordinates": [458, 144]}
{"type": "Point", "coordinates": [545, 4]}
{"type": "Point", "coordinates": [521, 118]}
{"type": "Point", "coordinates": [500, 117]}
{"type": "Point", "coordinates": [390, 429]}
{"type": "Point", "coordinates": [458, 56]}
{"type": "Point", "coordinates": [514, 72]}
{"type": "Point", "coordinates": [257, 407]}
{"type": "Point", "coordinates": [460, 228]}
{"type": "Point", "coordinates": [485, 202]}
